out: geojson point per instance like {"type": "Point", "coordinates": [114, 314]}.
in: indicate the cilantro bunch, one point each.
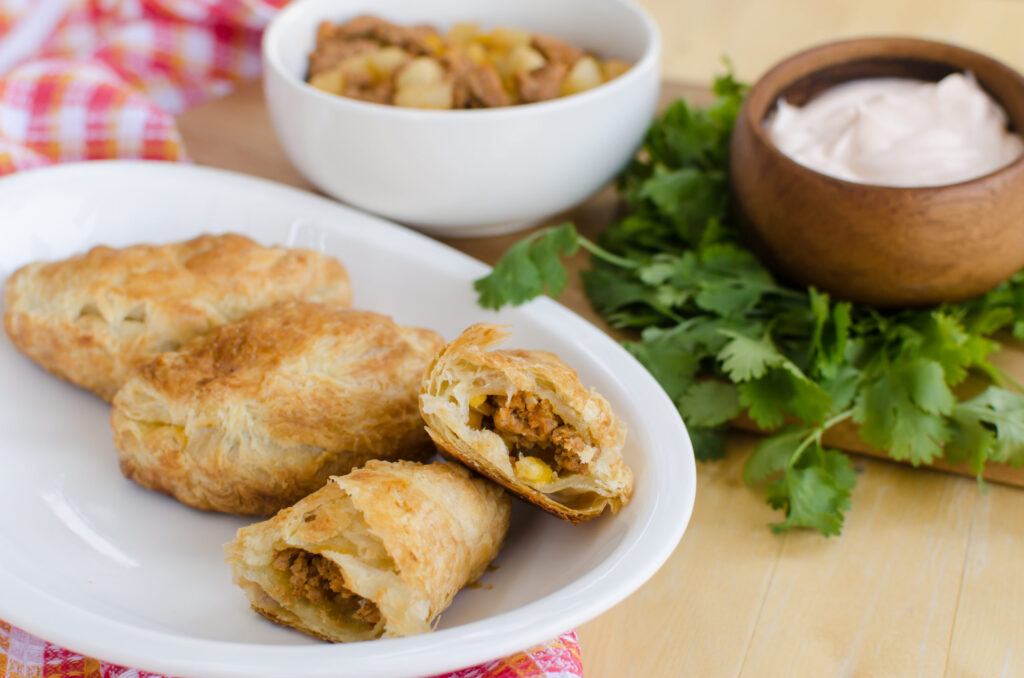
{"type": "Point", "coordinates": [724, 338]}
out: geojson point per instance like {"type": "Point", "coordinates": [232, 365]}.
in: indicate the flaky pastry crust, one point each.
{"type": "Point", "coordinates": [402, 537]}
{"type": "Point", "coordinates": [93, 317]}
{"type": "Point", "coordinates": [254, 415]}
{"type": "Point", "coordinates": [467, 390]}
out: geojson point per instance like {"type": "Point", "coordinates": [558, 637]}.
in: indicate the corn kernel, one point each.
{"type": "Point", "coordinates": [435, 43]}
{"type": "Point", "coordinates": [477, 53]}
{"type": "Point", "coordinates": [613, 68]}
{"type": "Point", "coordinates": [477, 400]}
{"type": "Point", "coordinates": [533, 470]}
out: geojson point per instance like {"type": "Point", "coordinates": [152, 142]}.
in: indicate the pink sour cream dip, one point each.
{"type": "Point", "coordinates": [898, 132]}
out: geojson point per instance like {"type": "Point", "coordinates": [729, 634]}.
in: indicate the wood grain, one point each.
{"type": "Point", "coordinates": [988, 636]}
{"type": "Point", "coordinates": [923, 582]}
{"type": "Point", "coordinates": [917, 525]}
{"type": "Point", "coordinates": [757, 33]}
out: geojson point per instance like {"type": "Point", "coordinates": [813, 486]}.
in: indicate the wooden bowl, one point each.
{"type": "Point", "coordinates": [879, 245]}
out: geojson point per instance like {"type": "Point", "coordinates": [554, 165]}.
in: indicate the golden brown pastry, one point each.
{"type": "Point", "coordinates": [255, 415]}
{"type": "Point", "coordinates": [379, 552]}
{"type": "Point", "coordinates": [523, 419]}
{"type": "Point", "coordinates": [93, 317]}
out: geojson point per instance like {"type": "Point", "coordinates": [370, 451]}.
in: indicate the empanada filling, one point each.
{"type": "Point", "coordinates": [321, 582]}
{"type": "Point", "coordinates": [532, 431]}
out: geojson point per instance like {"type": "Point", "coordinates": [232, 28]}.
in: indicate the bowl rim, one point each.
{"type": "Point", "coordinates": [648, 61]}
{"type": "Point", "coordinates": [881, 47]}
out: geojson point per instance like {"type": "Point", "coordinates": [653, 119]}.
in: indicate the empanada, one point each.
{"type": "Point", "coordinates": [256, 414]}
{"type": "Point", "coordinates": [523, 419]}
{"type": "Point", "coordinates": [93, 317]}
{"type": "Point", "coordinates": [379, 552]}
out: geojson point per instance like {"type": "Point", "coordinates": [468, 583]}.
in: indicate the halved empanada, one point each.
{"type": "Point", "coordinates": [255, 415]}
{"type": "Point", "coordinates": [379, 552]}
{"type": "Point", "coordinates": [93, 317]}
{"type": "Point", "coordinates": [523, 419]}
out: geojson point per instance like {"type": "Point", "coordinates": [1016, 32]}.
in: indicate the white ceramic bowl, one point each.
{"type": "Point", "coordinates": [471, 172]}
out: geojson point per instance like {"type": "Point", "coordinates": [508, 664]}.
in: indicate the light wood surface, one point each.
{"type": "Point", "coordinates": [924, 581]}
{"type": "Point", "coordinates": [754, 34]}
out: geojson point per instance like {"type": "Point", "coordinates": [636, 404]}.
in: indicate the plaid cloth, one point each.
{"type": "Point", "coordinates": [89, 79]}
{"type": "Point", "coordinates": [22, 655]}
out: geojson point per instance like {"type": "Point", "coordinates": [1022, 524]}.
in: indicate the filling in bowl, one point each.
{"type": "Point", "coordinates": [370, 59]}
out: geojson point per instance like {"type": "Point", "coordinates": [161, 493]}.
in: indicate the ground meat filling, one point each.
{"type": "Point", "coordinates": [320, 580]}
{"type": "Point", "coordinates": [530, 427]}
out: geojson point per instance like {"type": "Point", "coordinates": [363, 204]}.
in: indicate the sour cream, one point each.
{"type": "Point", "coordinates": [898, 132]}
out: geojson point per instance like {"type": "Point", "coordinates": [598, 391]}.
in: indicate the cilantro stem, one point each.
{"type": "Point", "coordinates": [804, 444]}
{"type": "Point", "coordinates": [842, 416]}
{"type": "Point", "coordinates": [605, 255]}
{"type": "Point", "coordinates": [815, 435]}
{"type": "Point", "coordinates": [1003, 375]}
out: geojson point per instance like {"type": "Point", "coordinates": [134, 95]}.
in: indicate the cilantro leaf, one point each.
{"type": "Point", "coordinates": [901, 410]}
{"type": "Point", "coordinates": [971, 442]}
{"type": "Point", "coordinates": [999, 408]}
{"type": "Point", "coordinates": [528, 268]}
{"type": "Point", "coordinates": [784, 391]}
{"type": "Point", "coordinates": [708, 443]}
{"type": "Point", "coordinates": [744, 358]}
{"type": "Point", "coordinates": [669, 360]}
{"type": "Point", "coordinates": [814, 495]}
{"type": "Point", "coordinates": [709, 403]}
{"type": "Point", "coordinates": [772, 455]}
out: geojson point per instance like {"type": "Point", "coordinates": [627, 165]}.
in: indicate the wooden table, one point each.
{"type": "Point", "coordinates": [925, 581]}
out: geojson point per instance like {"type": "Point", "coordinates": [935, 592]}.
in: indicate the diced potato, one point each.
{"type": "Point", "coordinates": [332, 81]}
{"type": "Point", "coordinates": [357, 67]}
{"type": "Point", "coordinates": [534, 470]}
{"type": "Point", "coordinates": [462, 33]}
{"type": "Point", "coordinates": [386, 61]}
{"type": "Point", "coordinates": [613, 68]}
{"type": "Point", "coordinates": [436, 95]}
{"type": "Point", "coordinates": [585, 74]}
{"type": "Point", "coordinates": [510, 38]}
{"type": "Point", "coordinates": [419, 71]}
{"type": "Point", "coordinates": [523, 59]}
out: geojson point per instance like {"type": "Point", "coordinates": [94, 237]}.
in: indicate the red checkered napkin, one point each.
{"type": "Point", "coordinates": [23, 655]}
{"type": "Point", "coordinates": [89, 79]}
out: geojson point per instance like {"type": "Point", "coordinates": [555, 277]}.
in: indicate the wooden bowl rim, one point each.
{"type": "Point", "coordinates": [859, 49]}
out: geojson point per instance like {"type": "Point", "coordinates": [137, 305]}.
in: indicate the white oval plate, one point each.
{"type": "Point", "coordinates": [94, 562]}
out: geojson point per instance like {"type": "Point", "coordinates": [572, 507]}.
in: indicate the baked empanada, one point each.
{"type": "Point", "coordinates": [256, 414]}
{"type": "Point", "coordinates": [523, 419]}
{"type": "Point", "coordinates": [378, 552]}
{"type": "Point", "coordinates": [93, 317]}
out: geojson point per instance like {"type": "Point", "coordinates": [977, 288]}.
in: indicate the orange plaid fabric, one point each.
{"type": "Point", "coordinates": [24, 656]}
{"type": "Point", "coordinates": [91, 79]}
{"type": "Point", "coordinates": [107, 78]}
